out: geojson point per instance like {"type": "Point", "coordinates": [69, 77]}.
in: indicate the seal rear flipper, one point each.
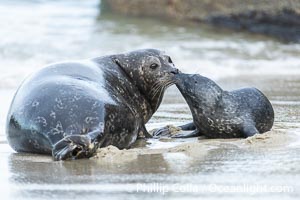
{"type": "Point", "coordinates": [162, 132]}
{"type": "Point", "coordinates": [77, 146]}
{"type": "Point", "coordinates": [167, 130]}
{"type": "Point", "coordinates": [194, 133]}
{"type": "Point", "coordinates": [249, 130]}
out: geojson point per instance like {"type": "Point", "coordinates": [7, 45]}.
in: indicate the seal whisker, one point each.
{"type": "Point", "coordinates": [168, 84]}
{"type": "Point", "coordinates": [165, 84]}
{"type": "Point", "coordinates": [160, 93]}
{"type": "Point", "coordinates": [157, 91]}
{"type": "Point", "coordinates": [154, 88]}
{"type": "Point", "coordinates": [156, 85]}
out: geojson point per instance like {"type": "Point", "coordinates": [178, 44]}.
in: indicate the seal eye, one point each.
{"type": "Point", "coordinates": [154, 66]}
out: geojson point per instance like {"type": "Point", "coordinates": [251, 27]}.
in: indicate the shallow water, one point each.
{"type": "Point", "coordinates": [37, 32]}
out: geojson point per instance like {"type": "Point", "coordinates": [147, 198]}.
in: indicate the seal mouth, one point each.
{"type": "Point", "coordinates": [181, 80]}
{"type": "Point", "coordinates": [175, 71]}
{"type": "Point", "coordinates": [177, 78]}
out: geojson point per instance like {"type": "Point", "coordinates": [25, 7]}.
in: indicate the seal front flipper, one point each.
{"type": "Point", "coordinates": [249, 130]}
{"type": "Point", "coordinates": [162, 132]}
{"type": "Point", "coordinates": [194, 133]}
{"type": "Point", "coordinates": [166, 131]}
{"type": "Point", "coordinates": [144, 133]}
{"type": "Point", "coordinates": [77, 146]}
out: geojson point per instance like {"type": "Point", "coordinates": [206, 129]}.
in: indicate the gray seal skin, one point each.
{"type": "Point", "coordinates": [222, 114]}
{"type": "Point", "coordinates": [70, 109]}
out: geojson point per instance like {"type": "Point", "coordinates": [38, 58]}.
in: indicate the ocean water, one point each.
{"type": "Point", "coordinates": [38, 32]}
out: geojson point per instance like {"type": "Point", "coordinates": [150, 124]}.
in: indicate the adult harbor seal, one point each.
{"type": "Point", "coordinates": [222, 114]}
{"type": "Point", "coordinates": [70, 109]}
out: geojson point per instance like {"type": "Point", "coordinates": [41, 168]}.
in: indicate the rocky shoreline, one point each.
{"type": "Point", "coordinates": [279, 19]}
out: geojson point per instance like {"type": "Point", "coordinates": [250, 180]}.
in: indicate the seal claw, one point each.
{"type": "Point", "coordinates": [73, 147]}
{"type": "Point", "coordinates": [162, 132]}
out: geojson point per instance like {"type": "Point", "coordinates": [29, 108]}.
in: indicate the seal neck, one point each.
{"type": "Point", "coordinates": [148, 107]}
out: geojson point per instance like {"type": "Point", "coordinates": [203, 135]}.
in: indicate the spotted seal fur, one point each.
{"type": "Point", "coordinates": [222, 114]}
{"type": "Point", "coordinates": [70, 109]}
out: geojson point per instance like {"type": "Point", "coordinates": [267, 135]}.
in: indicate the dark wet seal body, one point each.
{"type": "Point", "coordinates": [222, 114]}
{"type": "Point", "coordinates": [70, 109]}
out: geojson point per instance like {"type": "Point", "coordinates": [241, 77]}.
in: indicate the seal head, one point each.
{"type": "Point", "coordinates": [151, 70]}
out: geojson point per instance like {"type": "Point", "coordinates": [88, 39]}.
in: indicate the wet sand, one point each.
{"type": "Point", "coordinates": [175, 168]}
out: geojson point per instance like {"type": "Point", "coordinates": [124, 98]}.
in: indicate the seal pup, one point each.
{"type": "Point", "coordinates": [70, 109]}
{"type": "Point", "coordinates": [222, 114]}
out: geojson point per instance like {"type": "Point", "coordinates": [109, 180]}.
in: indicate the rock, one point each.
{"type": "Point", "coordinates": [280, 19]}
{"type": "Point", "coordinates": [284, 24]}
